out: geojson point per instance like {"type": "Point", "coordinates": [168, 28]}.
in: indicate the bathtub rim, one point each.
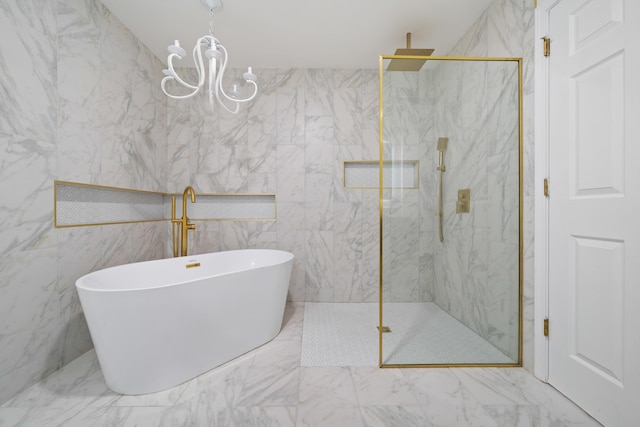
{"type": "Point", "coordinates": [81, 284]}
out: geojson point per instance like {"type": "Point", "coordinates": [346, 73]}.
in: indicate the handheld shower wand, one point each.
{"type": "Point", "coordinates": [442, 147]}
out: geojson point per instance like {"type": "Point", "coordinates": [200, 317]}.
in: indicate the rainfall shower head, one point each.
{"type": "Point", "coordinates": [442, 144]}
{"type": "Point", "coordinates": [409, 64]}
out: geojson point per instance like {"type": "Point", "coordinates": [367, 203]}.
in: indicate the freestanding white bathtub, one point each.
{"type": "Point", "coordinates": [157, 324]}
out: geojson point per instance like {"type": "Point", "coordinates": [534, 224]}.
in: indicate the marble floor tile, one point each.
{"type": "Point", "coordinates": [328, 415]}
{"type": "Point", "coordinates": [78, 383]}
{"type": "Point", "coordinates": [384, 416]}
{"type": "Point", "coordinates": [445, 400]}
{"type": "Point", "coordinates": [292, 322]}
{"type": "Point", "coordinates": [268, 387]}
{"type": "Point", "coordinates": [382, 387]}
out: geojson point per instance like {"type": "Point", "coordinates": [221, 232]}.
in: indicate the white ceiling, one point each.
{"type": "Point", "coordinates": [301, 33]}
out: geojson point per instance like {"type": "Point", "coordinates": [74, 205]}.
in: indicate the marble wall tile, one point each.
{"type": "Point", "coordinates": [318, 92]}
{"type": "Point", "coordinates": [29, 312]}
{"type": "Point", "coordinates": [341, 154]}
{"type": "Point", "coordinates": [232, 173]}
{"type": "Point", "coordinates": [78, 117]}
{"type": "Point", "coordinates": [28, 80]}
{"type": "Point", "coordinates": [205, 238]}
{"type": "Point", "coordinates": [475, 40]}
{"type": "Point", "coordinates": [370, 99]}
{"type": "Point", "coordinates": [477, 97]}
{"type": "Point", "coordinates": [81, 255]}
{"type": "Point", "coordinates": [347, 119]}
{"type": "Point", "coordinates": [348, 252]}
{"type": "Point", "coordinates": [78, 16]}
{"type": "Point", "coordinates": [306, 114]}
{"type": "Point", "coordinates": [233, 235]}
{"type": "Point", "coordinates": [262, 137]}
{"type": "Point", "coordinates": [260, 235]}
{"type": "Point", "coordinates": [289, 136]}
{"type": "Point", "coordinates": [179, 151]}
{"type": "Point", "coordinates": [79, 147]}
{"type": "Point", "coordinates": [510, 33]}
{"type": "Point", "coordinates": [290, 114]}
{"type": "Point", "coordinates": [319, 266]}
{"type": "Point", "coordinates": [319, 204]}
{"type": "Point", "coordinates": [370, 279]}
{"type": "Point", "coordinates": [27, 169]}
{"type": "Point", "coordinates": [79, 65]}
{"type": "Point", "coordinates": [319, 136]}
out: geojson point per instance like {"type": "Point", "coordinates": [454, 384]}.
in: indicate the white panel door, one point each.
{"type": "Point", "coordinates": [594, 206]}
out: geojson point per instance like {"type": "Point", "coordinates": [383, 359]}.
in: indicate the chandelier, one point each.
{"type": "Point", "coordinates": [217, 57]}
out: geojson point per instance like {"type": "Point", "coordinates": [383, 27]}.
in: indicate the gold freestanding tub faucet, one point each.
{"type": "Point", "coordinates": [183, 225]}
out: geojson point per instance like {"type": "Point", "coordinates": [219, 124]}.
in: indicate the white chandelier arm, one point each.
{"type": "Point", "coordinates": [219, 87]}
{"type": "Point", "coordinates": [174, 74]}
{"type": "Point", "coordinates": [164, 89]}
{"type": "Point", "coordinates": [197, 57]}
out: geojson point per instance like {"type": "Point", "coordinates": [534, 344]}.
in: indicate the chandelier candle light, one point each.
{"type": "Point", "coordinates": [217, 56]}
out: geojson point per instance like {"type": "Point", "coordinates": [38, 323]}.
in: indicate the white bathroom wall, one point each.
{"type": "Point", "coordinates": [407, 255]}
{"type": "Point", "coordinates": [505, 29]}
{"type": "Point", "coordinates": [291, 141]}
{"type": "Point", "coordinates": [80, 102]}
{"type": "Point", "coordinates": [475, 105]}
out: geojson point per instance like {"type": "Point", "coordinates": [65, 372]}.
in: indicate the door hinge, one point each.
{"type": "Point", "coordinates": [546, 327]}
{"type": "Point", "coordinates": [546, 187]}
{"type": "Point", "coordinates": [547, 46]}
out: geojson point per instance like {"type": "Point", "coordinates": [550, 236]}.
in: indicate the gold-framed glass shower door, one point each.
{"type": "Point", "coordinates": [451, 212]}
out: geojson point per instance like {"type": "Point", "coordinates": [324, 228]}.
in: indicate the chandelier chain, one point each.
{"type": "Point", "coordinates": [211, 22]}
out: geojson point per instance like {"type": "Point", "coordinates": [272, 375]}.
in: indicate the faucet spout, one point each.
{"type": "Point", "coordinates": [186, 225]}
{"type": "Point", "coordinates": [188, 189]}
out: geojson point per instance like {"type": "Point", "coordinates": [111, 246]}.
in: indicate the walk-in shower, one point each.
{"type": "Point", "coordinates": [451, 254]}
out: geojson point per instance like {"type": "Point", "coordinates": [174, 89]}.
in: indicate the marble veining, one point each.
{"type": "Point", "coordinates": [475, 104]}
{"type": "Point", "coordinates": [81, 103]}
{"type": "Point", "coordinates": [268, 387]}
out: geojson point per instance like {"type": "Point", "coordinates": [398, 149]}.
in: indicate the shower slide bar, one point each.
{"type": "Point", "coordinates": [442, 147]}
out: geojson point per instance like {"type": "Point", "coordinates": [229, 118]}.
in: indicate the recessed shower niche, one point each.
{"type": "Point", "coordinates": [77, 204]}
{"type": "Point", "coordinates": [451, 275]}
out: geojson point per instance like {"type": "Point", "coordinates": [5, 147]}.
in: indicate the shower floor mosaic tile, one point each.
{"type": "Point", "coordinates": [345, 334]}
{"type": "Point", "coordinates": [269, 387]}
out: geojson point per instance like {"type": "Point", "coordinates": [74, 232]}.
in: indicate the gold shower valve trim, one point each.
{"type": "Point", "coordinates": [463, 205]}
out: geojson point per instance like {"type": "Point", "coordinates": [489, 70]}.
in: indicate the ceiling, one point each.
{"type": "Point", "coordinates": [301, 33]}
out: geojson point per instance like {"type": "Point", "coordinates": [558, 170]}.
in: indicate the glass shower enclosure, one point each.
{"type": "Point", "coordinates": [451, 212]}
